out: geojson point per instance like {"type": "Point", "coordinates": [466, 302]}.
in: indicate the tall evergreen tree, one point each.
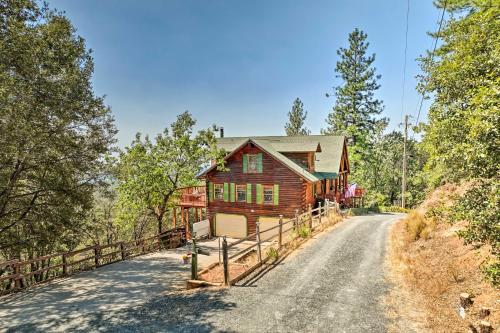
{"type": "Point", "coordinates": [296, 118]}
{"type": "Point", "coordinates": [356, 107]}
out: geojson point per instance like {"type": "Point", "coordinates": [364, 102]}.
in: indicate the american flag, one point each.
{"type": "Point", "coordinates": [351, 189]}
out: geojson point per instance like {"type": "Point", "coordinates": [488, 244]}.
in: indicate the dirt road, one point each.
{"type": "Point", "coordinates": [334, 284]}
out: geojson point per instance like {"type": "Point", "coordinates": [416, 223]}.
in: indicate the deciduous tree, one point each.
{"type": "Point", "coordinates": [54, 131]}
{"type": "Point", "coordinates": [150, 172]}
{"type": "Point", "coordinates": [463, 75]}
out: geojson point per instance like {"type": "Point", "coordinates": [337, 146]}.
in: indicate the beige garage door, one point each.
{"type": "Point", "coordinates": [230, 225]}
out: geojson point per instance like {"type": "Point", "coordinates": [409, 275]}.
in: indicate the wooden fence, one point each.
{"type": "Point", "coordinates": [16, 274]}
{"type": "Point", "coordinates": [318, 216]}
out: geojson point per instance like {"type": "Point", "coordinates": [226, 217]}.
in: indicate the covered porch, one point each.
{"type": "Point", "coordinates": [336, 189]}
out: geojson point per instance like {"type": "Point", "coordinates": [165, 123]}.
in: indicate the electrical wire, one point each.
{"type": "Point", "coordinates": [404, 66]}
{"type": "Point", "coordinates": [436, 37]}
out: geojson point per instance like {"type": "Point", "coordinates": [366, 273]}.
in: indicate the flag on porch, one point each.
{"type": "Point", "coordinates": [351, 190]}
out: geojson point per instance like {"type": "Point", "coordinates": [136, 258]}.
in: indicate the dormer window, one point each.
{"type": "Point", "coordinates": [252, 163]}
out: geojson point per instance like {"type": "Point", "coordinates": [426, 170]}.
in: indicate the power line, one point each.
{"type": "Point", "coordinates": [403, 182]}
{"type": "Point", "coordinates": [404, 66]}
{"type": "Point", "coordinates": [436, 37]}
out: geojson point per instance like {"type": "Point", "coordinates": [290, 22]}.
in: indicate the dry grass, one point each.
{"type": "Point", "coordinates": [216, 274]}
{"type": "Point", "coordinates": [417, 226]}
{"type": "Point", "coordinates": [430, 267]}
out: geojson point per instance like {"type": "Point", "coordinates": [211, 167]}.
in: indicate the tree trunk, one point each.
{"type": "Point", "coordinates": [160, 222]}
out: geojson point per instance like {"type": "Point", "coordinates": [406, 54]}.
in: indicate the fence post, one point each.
{"type": "Point", "coordinates": [194, 261]}
{"type": "Point", "coordinates": [210, 234]}
{"type": "Point", "coordinates": [280, 235]}
{"type": "Point", "coordinates": [65, 267]}
{"type": "Point", "coordinates": [219, 252]}
{"type": "Point", "coordinates": [327, 207]}
{"type": "Point", "coordinates": [96, 255]}
{"type": "Point", "coordinates": [225, 261]}
{"type": "Point", "coordinates": [17, 271]}
{"type": "Point", "coordinates": [296, 222]}
{"type": "Point", "coordinates": [122, 250]}
{"type": "Point", "coordinates": [309, 208]}
{"type": "Point", "coordinates": [257, 232]}
{"type": "Point", "coordinates": [319, 210]}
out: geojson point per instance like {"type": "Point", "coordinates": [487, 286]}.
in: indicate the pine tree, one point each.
{"type": "Point", "coordinates": [355, 110]}
{"type": "Point", "coordinates": [296, 118]}
{"type": "Point", "coordinates": [355, 106]}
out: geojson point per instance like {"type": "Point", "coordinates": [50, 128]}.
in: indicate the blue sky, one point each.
{"type": "Point", "coordinates": [240, 64]}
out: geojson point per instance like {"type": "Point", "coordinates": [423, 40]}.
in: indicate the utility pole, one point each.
{"type": "Point", "coordinates": [403, 186]}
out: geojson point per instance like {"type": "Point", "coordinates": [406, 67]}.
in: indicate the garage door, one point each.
{"type": "Point", "coordinates": [231, 225]}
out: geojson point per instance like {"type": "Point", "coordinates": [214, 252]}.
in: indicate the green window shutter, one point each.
{"type": "Point", "coordinates": [259, 162]}
{"type": "Point", "coordinates": [245, 163]}
{"type": "Point", "coordinates": [232, 192]}
{"type": "Point", "coordinates": [210, 191]}
{"type": "Point", "coordinates": [249, 193]}
{"type": "Point", "coordinates": [258, 194]}
{"type": "Point", "coordinates": [226, 192]}
{"type": "Point", "coordinates": [276, 194]}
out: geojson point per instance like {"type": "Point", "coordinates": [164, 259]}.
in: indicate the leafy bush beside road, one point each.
{"type": "Point", "coordinates": [480, 207]}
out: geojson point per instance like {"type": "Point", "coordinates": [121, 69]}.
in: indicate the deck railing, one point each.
{"type": "Point", "coordinates": [20, 274]}
{"type": "Point", "coordinates": [193, 196]}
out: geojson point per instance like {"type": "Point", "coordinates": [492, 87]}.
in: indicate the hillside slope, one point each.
{"type": "Point", "coordinates": [430, 267]}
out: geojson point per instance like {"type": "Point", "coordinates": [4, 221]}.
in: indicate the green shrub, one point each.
{"type": "Point", "coordinates": [272, 253]}
{"type": "Point", "coordinates": [492, 272]}
{"type": "Point", "coordinates": [438, 212]}
{"type": "Point", "coordinates": [480, 206]}
{"type": "Point", "coordinates": [304, 231]}
{"type": "Point", "coordinates": [394, 209]}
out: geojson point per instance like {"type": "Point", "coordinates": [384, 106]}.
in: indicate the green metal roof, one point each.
{"type": "Point", "coordinates": [325, 175]}
{"type": "Point", "coordinates": [285, 160]}
{"type": "Point", "coordinates": [327, 161]}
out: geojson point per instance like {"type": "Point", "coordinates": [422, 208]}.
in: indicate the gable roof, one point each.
{"type": "Point", "coordinates": [328, 150]}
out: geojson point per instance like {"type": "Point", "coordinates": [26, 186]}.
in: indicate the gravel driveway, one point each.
{"type": "Point", "coordinates": [334, 284]}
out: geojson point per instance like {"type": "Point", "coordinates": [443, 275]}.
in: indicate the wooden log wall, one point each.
{"type": "Point", "coordinates": [291, 188]}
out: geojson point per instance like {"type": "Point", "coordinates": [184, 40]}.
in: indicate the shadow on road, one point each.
{"type": "Point", "coordinates": [177, 312]}
{"type": "Point", "coordinates": [88, 297]}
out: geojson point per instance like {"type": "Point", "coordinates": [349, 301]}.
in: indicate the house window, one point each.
{"type": "Point", "coordinates": [253, 163]}
{"type": "Point", "coordinates": [219, 191]}
{"type": "Point", "coordinates": [241, 193]}
{"type": "Point", "coordinates": [268, 195]}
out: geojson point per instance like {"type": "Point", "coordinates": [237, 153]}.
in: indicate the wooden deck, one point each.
{"type": "Point", "coordinates": [195, 197]}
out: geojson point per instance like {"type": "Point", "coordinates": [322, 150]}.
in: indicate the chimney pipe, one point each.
{"type": "Point", "coordinates": [222, 132]}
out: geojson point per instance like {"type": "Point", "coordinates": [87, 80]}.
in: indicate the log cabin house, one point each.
{"type": "Point", "coordinates": [273, 175]}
